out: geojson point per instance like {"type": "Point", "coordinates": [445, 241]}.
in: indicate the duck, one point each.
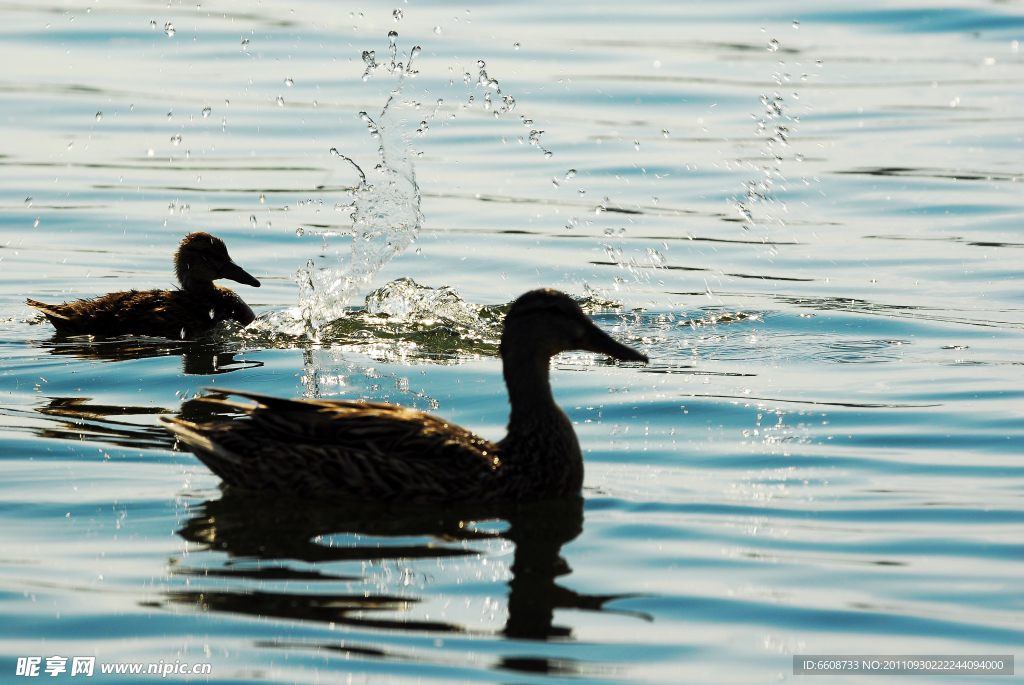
{"type": "Point", "coordinates": [375, 452]}
{"type": "Point", "coordinates": [194, 309]}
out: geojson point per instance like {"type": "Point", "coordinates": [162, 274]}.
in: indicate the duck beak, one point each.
{"type": "Point", "coordinates": [236, 273]}
{"type": "Point", "coordinates": [596, 340]}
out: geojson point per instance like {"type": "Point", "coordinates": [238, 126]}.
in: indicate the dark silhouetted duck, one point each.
{"type": "Point", "coordinates": [196, 308]}
{"type": "Point", "coordinates": [380, 452]}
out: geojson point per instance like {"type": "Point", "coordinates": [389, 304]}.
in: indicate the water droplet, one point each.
{"type": "Point", "coordinates": [392, 36]}
{"type": "Point", "coordinates": [169, 30]}
{"type": "Point", "coordinates": [212, 314]}
{"type": "Point", "coordinates": [268, 224]}
{"type": "Point", "coordinates": [245, 41]}
{"type": "Point", "coordinates": [799, 157]}
{"type": "Point", "coordinates": [206, 111]}
{"type": "Point", "coordinates": [437, 30]}
{"type": "Point", "coordinates": [515, 46]}
{"type": "Point", "coordinates": [309, 264]}
{"type": "Point", "coordinates": [152, 23]}
{"type": "Point", "coordinates": [796, 23]}
{"type": "Point", "coordinates": [280, 101]}
{"type": "Point", "coordinates": [480, 64]}
{"type": "Point", "coordinates": [654, 199]}
{"type": "Point", "coordinates": [298, 234]}
{"type": "Point", "coordinates": [548, 153]}
{"type": "Point", "coordinates": [289, 82]}
{"type": "Point", "coordinates": [582, 192]}
{"type": "Point", "coordinates": [314, 103]}
{"type": "Point", "coordinates": [99, 115]}
{"type": "Point", "coordinates": [773, 45]}
{"type": "Point", "coordinates": [397, 14]}
{"type": "Point", "coordinates": [150, 152]}
{"type": "Point", "coordinates": [182, 333]}
{"type": "Point", "coordinates": [169, 113]}
{"type": "Point", "coordinates": [36, 223]}
{"type": "Point", "coordinates": [636, 144]}
{"type": "Point", "coordinates": [176, 138]}
{"type": "Point", "coordinates": [664, 132]}
{"type": "Point", "coordinates": [263, 198]}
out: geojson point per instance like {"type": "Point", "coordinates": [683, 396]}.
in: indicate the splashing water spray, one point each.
{"type": "Point", "coordinates": [773, 126]}
{"type": "Point", "coordinates": [386, 217]}
{"type": "Point", "coordinates": [385, 214]}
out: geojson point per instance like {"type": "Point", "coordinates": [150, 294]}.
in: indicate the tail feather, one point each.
{"type": "Point", "coordinates": [208, 451]}
{"type": "Point", "coordinates": [268, 401]}
{"type": "Point", "coordinates": [242, 406]}
{"type": "Point", "coordinates": [283, 404]}
{"type": "Point", "coordinates": [50, 310]}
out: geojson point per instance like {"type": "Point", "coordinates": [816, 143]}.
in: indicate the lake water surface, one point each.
{"type": "Point", "coordinates": [809, 215]}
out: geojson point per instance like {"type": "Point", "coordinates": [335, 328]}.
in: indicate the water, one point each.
{"type": "Point", "coordinates": [808, 218]}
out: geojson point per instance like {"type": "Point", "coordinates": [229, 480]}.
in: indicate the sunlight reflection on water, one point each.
{"type": "Point", "coordinates": [822, 456]}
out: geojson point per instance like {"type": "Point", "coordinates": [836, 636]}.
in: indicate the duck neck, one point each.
{"type": "Point", "coordinates": [540, 456]}
{"type": "Point", "coordinates": [195, 284]}
{"type": "Point", "coordinates": [529, 391]}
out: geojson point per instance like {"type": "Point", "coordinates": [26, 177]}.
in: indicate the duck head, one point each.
{"type": "Point", "coordinates": [202, 258]}
{"type": "Point", "coordinates": [544, 322]}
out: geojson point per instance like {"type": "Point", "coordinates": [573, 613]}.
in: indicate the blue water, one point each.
{"type": "Point", "coordinates": [823, 456]}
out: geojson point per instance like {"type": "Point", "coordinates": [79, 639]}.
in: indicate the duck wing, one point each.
{"type": "Point", "coordinates": [362, 450]}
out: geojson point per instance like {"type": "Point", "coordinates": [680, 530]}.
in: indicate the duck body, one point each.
{"type": "Point", "coordinates": [191, 311]}
{"type": "Point", "coordinates": [380, 452]}
{"type": "Point", "coordinates": [160, 313]}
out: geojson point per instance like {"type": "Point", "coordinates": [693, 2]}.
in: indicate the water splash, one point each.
{"type": "Point", "coordinates": [774, 127]}
{"type": "Point", "coordinates": [386, 218]}
{"type": "Point", "coordinates": [386, 214]}
{"type": "Point", "coordinates": [404, 321]}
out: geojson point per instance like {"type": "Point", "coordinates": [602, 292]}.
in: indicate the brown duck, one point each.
{"type": "Point", "coordinates": [380, 452]}
{"type": "Point", "coordinates": [194, 309]}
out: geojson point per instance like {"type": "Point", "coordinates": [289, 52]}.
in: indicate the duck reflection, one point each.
{"type": "Point", "coordinates": [262, 532]}
{"type": "Point", "coordinates": [76, 418]}
{"type": "Point", "coordinates": [198, 357]}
